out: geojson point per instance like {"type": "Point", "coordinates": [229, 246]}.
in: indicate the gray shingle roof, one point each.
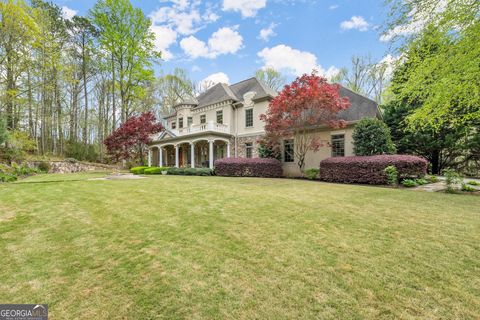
{"type": "Point", "coordinates": [360, 106]}
{"type": "Point", "coordinates": [218, 93]}
{"type": "Point", "coordinates": [252, 84]}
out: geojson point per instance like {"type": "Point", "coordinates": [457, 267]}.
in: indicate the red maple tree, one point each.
{"type": "Point", "coordinates": [129, 141]}
{"type": "Point", "coordinates": [302, 106]}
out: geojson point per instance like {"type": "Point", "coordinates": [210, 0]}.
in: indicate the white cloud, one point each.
{"type": "Point", "coordinates": [68, 13]}
{"type": "Point", "coordinates": [248, 8]}
{"type": "Point", "coordinates": [418, 19]}
{"type": "Point", "coordinates": [356, 22]}
{"type": "Point", "coordinates": [196, 68]}
{"type": "Point", "coordinates": [333, 7]}
{"type": "Point", "coordinates": [194, 48]}
{"type": "Point", "coordinates": [183, 16]}
{"type": "Point", "coordinates": [293, 61]}
{"type": "Point", "coordinates": [266, 33]}
{"type": "Point", "coordinates": [164, 38]}
{"type": "Point", "coordinates": [389, 62]}
{"type": "Point", "coordinates": [223, 41]}
{"type": "Point", "coordinates": [215, 78]}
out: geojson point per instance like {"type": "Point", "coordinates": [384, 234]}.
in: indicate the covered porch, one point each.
{"type": "Point", "coordinates": [196, 153]}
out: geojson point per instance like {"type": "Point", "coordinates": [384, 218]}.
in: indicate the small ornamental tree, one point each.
{"type": "Point", "coordinates": [129, 141]}
{"type": "Point", "coordinates": [306, 103]}
{"type": "Point", "coordinates": [372, 137]}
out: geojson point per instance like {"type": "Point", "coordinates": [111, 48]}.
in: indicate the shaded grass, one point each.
{"type": "Point", "coordinates": [242, 248]}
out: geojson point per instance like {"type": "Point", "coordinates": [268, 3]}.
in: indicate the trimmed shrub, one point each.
{"type": "Point", "coordinates": [312, 173]}
{"type": "Point", "coordinates": [204, 172]}
{"type": "Point", "coordinates": [371, 169]}
{"type": "Point", "coordinates": [245, 167]}
{"type": "Point", "coordinates": [176, 171]}
{"type": "Point", "coordinates": [138, 170]}
{"type": "Point", "coordinates": [154, 170]}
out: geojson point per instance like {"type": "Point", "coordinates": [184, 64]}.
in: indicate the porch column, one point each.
{"type": "Point", "coordinates": [192, 151]}
{"type": "Point", "coordinates": [160, 155]}
{"type": "Point", "coordinates": [149, 157]}
{"type": "Point", "coordinates": [176, 155]}
{"type": "Point", "coordinates": [210, 154]}
{"type": "Point", "coordinates": [228, 149]}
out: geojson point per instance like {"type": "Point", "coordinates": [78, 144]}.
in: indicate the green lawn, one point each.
{"type": "Point", "coordinates": [237, 248]}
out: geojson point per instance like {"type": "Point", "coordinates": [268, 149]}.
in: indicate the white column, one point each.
{"type": "Point", "coordinates": [228, 149]}
{"type": "Point", "coordinates": [160, 155]}
{"type": "Point", "coordinates": [210, 154]}
{"type": "Point", "coordinates": [176, 155]}
{"type": "Point", "coordinates": [192, 151]}
{"type": "Point", "coordinates": [149, 157]}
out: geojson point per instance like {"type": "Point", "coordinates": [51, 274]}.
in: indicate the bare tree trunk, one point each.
{"type": "Point", "coordinates": [84, 74]}
{"type": "Point", "coordinates": [114, 109]}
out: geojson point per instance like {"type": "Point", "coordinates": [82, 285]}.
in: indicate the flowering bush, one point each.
{"type": "Point", "coordinates": [245, 167]}
{"type": "Point", "coordinates": [371, 169]}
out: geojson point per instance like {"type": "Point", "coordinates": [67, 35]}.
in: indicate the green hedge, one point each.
{"type": "Point", "coordinates": [138, 170]}
{"type": "Point", "coordinates": [155, 170]}
{"type": "Point", "coordinates": [190, 171]}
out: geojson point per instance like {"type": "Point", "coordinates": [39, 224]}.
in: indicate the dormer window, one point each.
{"type": "Point", "coordinates": [203, 118]}
{"type": "Point", "coordinates": [180, 123]}
{"type": "Point", "coordinates": [189, 121]}
{"type": "Point", "coordinates": [174, 125]}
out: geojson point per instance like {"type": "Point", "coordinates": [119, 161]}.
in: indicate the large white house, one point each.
{"type": "Point", "coordinates": [225, 121]}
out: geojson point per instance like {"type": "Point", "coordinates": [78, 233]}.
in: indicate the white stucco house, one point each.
{"type": "Point", "coordinates": [225, 121]}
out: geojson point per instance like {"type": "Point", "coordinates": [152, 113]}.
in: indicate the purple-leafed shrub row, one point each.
{"type": "Point", "coordinates": [370, 169]}
{"type": "Point", "coordinates": [244, 167]}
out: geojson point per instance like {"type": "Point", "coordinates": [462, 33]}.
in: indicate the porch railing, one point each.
{"type": "Point", "coordinates": [209, 126]}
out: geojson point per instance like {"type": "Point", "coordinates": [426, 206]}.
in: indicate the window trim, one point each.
{"type": "Point", "coordinates": [180, 123]}
{"type": "Point", "coordinates": [292, 154]}
{"type": "Point", "coordinates": [336, 135]}
{"type": "Point", "coordinates": [249, 148]}
{"type": "Point", "coordinates": [219, 112]}
{"type": "Point", "coordinates": [204, 118]}
{"type": "Point", "coordinates": [246, 110]}
{"type": "Point", "coordinates": [189, 121]}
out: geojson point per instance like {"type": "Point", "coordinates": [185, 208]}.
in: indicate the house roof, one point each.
{"type": "Point", "coordinates": [360, 107]}
{"type": "Point", "coordinates": [252, 84]}
{"type": "Point", "coordinates": [218, 93]}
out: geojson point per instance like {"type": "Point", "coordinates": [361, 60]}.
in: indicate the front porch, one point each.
{"type": "Point", "coordinates": [198, 153]}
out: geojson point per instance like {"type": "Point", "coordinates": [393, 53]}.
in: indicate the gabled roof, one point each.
{"type": "Point", "coordinates": [360, 106]}
{"type": "Point", "coordinates": [218, 93]}
{"type": "Point", "coordinates": [252, 84]}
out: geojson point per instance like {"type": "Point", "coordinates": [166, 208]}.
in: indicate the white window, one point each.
{"type": "Point", "coordinates": [174, 125]}
{"type": "Point", "coordinates": [338, 145]}
{"type": "Point", "coordinates": [219, 116]}
{"type": "Point", "coordinates": [248, 149]}
{"type": "Point", "coordinates": [203, 118]}
{"type": "Point", "coordinates": [249, 118]}
{"type": "Point", "coordinates": [288, 151]}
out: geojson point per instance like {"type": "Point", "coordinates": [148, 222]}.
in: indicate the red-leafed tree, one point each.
{"type": "Point", "coordinates": [129, 141]}
{"type": "Point", "coordinates": [302, 106]}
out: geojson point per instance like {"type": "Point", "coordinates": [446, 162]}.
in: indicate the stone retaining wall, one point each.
{"type": "Point", "coordinates": [72, 167]}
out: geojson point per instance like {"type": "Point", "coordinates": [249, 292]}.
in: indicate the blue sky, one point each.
{"type": "Point", "coordinates": [230, 39]}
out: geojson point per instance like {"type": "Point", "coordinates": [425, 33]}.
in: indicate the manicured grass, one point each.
{"type": "Point", "coordinates": [237, 248]}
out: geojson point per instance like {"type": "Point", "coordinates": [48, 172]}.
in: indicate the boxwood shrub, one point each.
{"type": "Point", "coordinates": [245, 167]}
{"type": "Point", "coordinates": [138, 170]}
{"type": "Point", "coordinates": [155, 170]}
{"type": "Point", "coordinates": [370, 169]}
{"type": "Point", "coordinates": [190, 171]}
